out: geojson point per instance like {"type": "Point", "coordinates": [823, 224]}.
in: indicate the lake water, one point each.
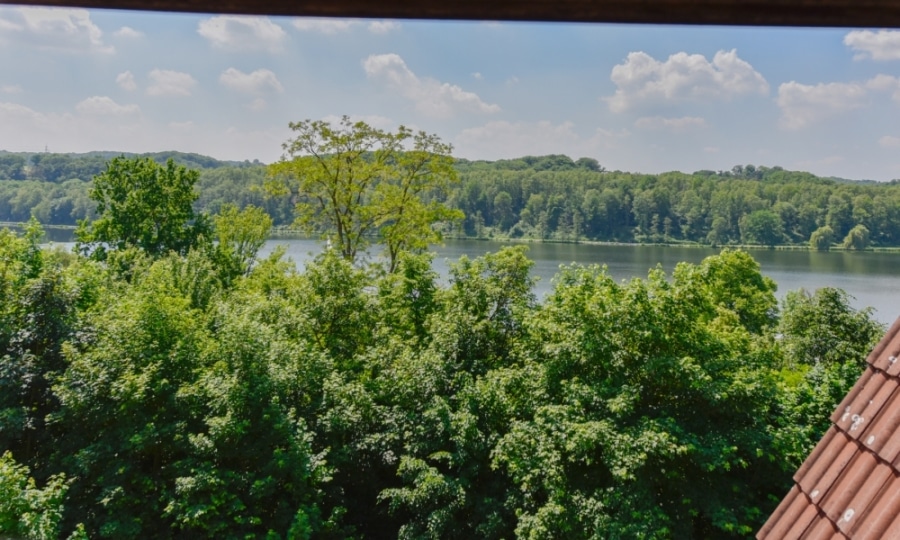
{"type": "Point", "coordinates": [873, 279]}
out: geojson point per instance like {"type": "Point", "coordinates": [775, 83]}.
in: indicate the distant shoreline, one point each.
{"type": "Point", "coordinates": [278, 232]}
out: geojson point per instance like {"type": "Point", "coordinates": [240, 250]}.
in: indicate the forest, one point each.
{"type": "Point", "coordinates": [163, 381]}
{"type": "Point", "coordinates": [542, 198]}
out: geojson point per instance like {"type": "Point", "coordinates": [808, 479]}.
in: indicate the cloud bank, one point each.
{"type": "Point", "coordinates": [234, 33]}
{"type": "Point", "coordinates": [431, 97]}
{"type": "Point", "coordinates": [642, 80]}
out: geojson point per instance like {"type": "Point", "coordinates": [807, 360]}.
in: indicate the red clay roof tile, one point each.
{"type": "Point", "coordinates": [883, 436]}
{"type": "Point", "coordinates": [849, 485]}
{"type": "Point", "coordinates": [786, 515]}
{"type": "Point", "coordinates": [881, 519]}
{"type": "Point", "coordinates": [822, 528]}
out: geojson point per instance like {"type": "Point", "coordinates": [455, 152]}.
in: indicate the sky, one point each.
{"type": "Point", "coordinates": [636, 98]}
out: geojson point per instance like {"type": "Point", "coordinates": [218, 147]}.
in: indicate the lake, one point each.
{"type": "Point", "coordinates": [873, 279]}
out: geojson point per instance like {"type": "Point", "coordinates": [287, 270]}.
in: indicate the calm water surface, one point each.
{"type": "Point", "coordinates": [873, 279]}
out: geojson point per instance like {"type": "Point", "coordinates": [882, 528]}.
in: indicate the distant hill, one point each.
{"type": "Point", "coordinates": [551, 197]}
{"type": "Point", "coordinates": [53, 167]}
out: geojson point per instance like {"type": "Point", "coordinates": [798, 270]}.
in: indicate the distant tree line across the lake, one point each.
{"type": "Point", "coordinates": [548, 197]}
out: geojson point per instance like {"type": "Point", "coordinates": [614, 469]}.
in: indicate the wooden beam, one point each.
{"type": "Point", "coordinates": [841, 13]}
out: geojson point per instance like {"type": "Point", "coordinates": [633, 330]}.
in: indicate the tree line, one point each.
{"type": "Point", "coordinates": [163, 381]}
{"type": "Point", "coordinates": [553, 197]}
{"type": "Point", "coordinates": [546, 198]}
{"type": "Point", "coordinates": [54, 188]}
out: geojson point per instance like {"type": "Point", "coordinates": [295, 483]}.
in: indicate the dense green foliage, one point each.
{"type": "Point", "coordinates": [208, 394]}
{"type": "Point", "coordinates": [552, 197]}
{"type": "Point", "coordinates": [165, 382]}
{"type": "Point", "coordinates": [59, 195]}
{"type": "Point", "coordinates": [145, 206]}
{"type": "Point", "coordinates": [549, 197]}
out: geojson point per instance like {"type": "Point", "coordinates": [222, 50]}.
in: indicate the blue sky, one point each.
{"type": "Point", "coordinates": [636, 98]}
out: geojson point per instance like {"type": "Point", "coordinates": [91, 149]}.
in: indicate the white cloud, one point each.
{"type": "Point", "coordinates": [383, 27]}
{"type": "Point", "coordinates": [128, 32]}
{"type": "Point", "coordinates": [881, 45]}
{"type": "Point", "coordinates": [882, 82]}
{"type": "Point", "coordinates": [336, 26]}
{"type": "Point", "coordinates": [682, 77]}
{"type": "Point", "coordinates": [431, 97]}
{"type": "Point", "coordinates": [10, 89]}
{"type": "Point", "coordinates": [677, 125]}
{"type": "Point", "coordinates": [126, 81]}
{"type": "Point", "coordinates": [257, 104]}
{"type": "Point", "coordinates": [170, 83]}
{"type": "Point", "coordinates": [257, 82]}
{"type": "Point", "coordinates": [99, 123]}
{"type": "Point", "coordinates": [477, 76]}
{"type": "Point", "coordinates": [67, 30]}
{"type": "Point", "coordinates": [803, 104]}
{"type": "Point", "coordinates": [105, 106]}
{"type": "Point", "coordinates": [323, 26]}
{"type": "Point", "coordinates": [237, 33]}
{"type": "Point", "coordinates": [885, 83]}
{"type": "Point", "coordinates": [889, 142]}
{"type": "Point", "coordinates": [17, 122]}
{"type": "Point", "coordinates": [26, 129]}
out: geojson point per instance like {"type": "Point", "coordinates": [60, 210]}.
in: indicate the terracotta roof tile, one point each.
{"type": "Point", "coordinates": [822, 472]}
{"type": "Point", "coordinates": [850, 416]}
{"type": "Point", "coordinates": [882, 519]}
{"type": "Point", "coordinates": [861, 387]}
{"type": "Point", "coordinates": [822, 528]}
{"type": "Point", "coordinates": [848, 482]}
{"type": "Point", "coordinates": [785, 516]}
{"type": "Point", "coordinates": [882, 436]}
{"type": "Point", "coordinates": [849, 486]}
{"type": "Point", "coordinates": [890, 339]}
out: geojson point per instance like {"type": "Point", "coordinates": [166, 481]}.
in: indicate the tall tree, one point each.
{"type": "Point", "coordinates": [821, 238]}
{"type": "Point", "coordinates": [240, 234]}
{"type": "Point", "coordinates": [144, 205]}
{"type": "Point", "coordinates": [354, 182]}
{"type": "Point", "coordinates": [857, 239]}
{"type": "Point", "coordinates": [762, 227]}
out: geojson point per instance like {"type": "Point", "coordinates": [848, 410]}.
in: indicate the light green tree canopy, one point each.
{"type": "Point", "coordinates": [857, 239]}
{"type": "Point", "coordinates": [821, 238]}
{"type": "Point", "coordinates": [353, 183]}
{"type": "Point", "coordinates": [240, 234]}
